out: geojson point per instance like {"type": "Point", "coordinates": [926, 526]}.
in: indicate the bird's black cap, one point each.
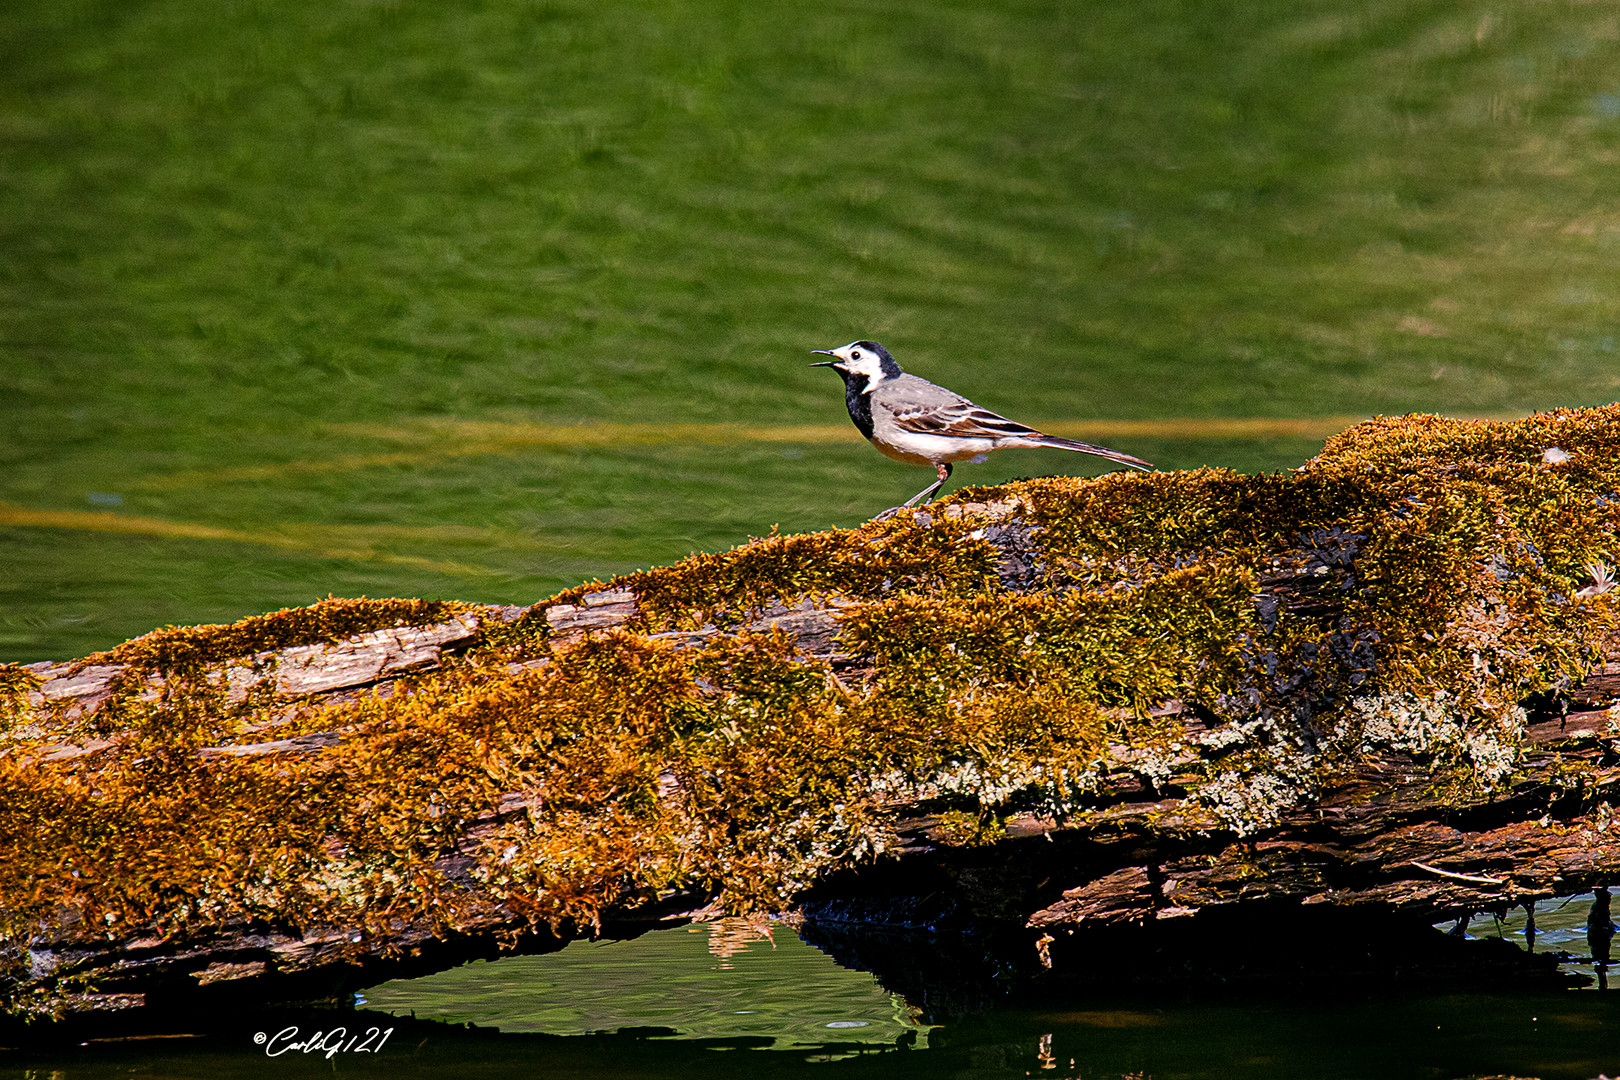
{"type": "Point", "coordinates": [890, 368]}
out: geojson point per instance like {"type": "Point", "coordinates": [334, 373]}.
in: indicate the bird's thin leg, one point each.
{"type": "Point", "coordinates": [944, 471]}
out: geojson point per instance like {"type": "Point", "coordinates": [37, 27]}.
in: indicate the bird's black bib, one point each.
{"type": "Point", "coordinates": [858, 401]}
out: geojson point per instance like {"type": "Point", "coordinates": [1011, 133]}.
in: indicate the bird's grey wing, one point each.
{"type": "Point", "coordinates": [921, 406]}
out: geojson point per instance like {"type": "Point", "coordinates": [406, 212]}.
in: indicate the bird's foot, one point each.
{"type": "Point", "coordinates": [919, 517]}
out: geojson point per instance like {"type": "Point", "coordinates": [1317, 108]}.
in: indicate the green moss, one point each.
{"type": "Point", "coordinates": [1404, 591]}
{"type": "Point", "coordinates": [962, 829]}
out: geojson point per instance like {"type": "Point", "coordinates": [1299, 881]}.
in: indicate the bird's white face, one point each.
{"type": "Point", "coordinates": [857, 358]}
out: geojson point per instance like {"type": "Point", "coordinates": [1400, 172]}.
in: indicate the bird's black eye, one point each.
{"type": "Point", "coordinates": [856, 355]}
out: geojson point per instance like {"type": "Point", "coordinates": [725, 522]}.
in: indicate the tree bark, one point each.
{"type": "Point", "coordinates": [1385, 830]}
{"type": "Point", "coordinates": [1381, 838]}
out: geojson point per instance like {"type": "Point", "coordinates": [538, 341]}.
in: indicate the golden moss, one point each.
{"type": "Point", "coordinates": [15, 684]}
{"type": "Point", "coordinates": [962, 829]}
{"type": "Point", "coordinates": [878, 559]}
{"type": "Point", "coordinates": [1405, 589]}
{"type": "Point", "coordinates": [331, 620]}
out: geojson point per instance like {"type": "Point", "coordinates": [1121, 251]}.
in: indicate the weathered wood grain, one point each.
{"type": "Point", "coordinates": [1379, 837]}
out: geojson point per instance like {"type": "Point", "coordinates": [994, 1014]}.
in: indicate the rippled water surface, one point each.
{"type": "Point", "coordinates": [479, 299]}
{"type": "Point", "coordinates": [482, 298]}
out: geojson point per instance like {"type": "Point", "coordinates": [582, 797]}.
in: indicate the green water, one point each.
{"type": "Point", "coordinates": [686, 981]}
{"type": "Point", "coordinates": [1403, 1039]}
{"type": "Point", "coordinates": [1560, 930]}
{"type": "Point", "coordinates": [266, 269]}
{"type": "Point", "coordinates": [665, 1005]}
{"type": "Point", "coordinates": [248, 248]}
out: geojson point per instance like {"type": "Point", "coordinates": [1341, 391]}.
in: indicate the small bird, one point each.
{"type": "Point", "coordinates": [912, 420]}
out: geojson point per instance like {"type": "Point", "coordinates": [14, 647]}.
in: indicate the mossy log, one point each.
{"type": "Point", "coordinates": [1383, 682]}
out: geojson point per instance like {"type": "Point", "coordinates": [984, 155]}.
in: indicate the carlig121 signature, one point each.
{"type": "Point", "coordinates": [331, 1043]}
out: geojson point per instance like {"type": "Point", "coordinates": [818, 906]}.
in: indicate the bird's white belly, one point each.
{"type": "Point", "coordinates": [917, 448]}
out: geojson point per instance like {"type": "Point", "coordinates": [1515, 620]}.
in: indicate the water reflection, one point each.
{"type": "Point", "coordinates": [1560, 927]}
{"type": "Point", "coordinates": [1599, 933]}
{"type": "Point", "coordinates": [733, 986]}
{"type": "Point", "coordinates": [732, 979]}
{"type": "Point", "coordinates": [1562, 1036]}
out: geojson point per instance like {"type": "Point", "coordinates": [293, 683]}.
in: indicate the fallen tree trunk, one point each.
{"type": "Point", "coordinates": [1385, 682]}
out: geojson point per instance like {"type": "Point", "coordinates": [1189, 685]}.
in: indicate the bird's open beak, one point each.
{"type": "Point", "coordinates": [827, 363]}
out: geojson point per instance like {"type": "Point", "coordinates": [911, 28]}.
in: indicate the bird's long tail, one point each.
{"type": "Point", "coordinates": [1100, 451]}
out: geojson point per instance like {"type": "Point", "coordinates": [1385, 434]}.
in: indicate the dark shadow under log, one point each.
{"type": "Point", "coordinates": [1092, 732]}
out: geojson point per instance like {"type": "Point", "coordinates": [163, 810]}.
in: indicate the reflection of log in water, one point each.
{"type": "Point", "coordinates": [1599, 934]}
{"type": "Point", "coordinates": [1082, 730]}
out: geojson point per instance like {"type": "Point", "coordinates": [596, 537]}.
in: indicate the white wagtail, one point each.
{"type": "Point", "coordinates": [912, 420]}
